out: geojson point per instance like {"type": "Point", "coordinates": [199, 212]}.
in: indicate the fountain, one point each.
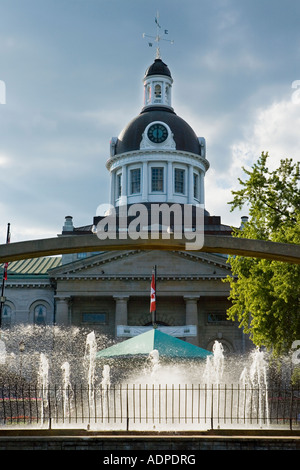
{"type": "Point", "coordinates": [154, 359]}
{"type": "Point", "coordinates": [43, 374]}
{"type": "Point", "coordinates": [256, 379]}
{"type": "Point", "coordinates": [105, 376]}
{"type": "Point", "coordinates": [91, 350]}
{"type": "Point", "coordinates": [2, 352]}
{"type": "Point", "coordinates": [58, 381]}
{"type": "Point", "coordinates": [66, 389]}
{"type": "Point", "coordinates": [214, 369]}
{"type": "Point", "coordinates": [104, 390]}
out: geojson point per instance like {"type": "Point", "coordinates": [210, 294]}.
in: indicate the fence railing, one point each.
{"type": "Point", "coordinates": [150, 407]}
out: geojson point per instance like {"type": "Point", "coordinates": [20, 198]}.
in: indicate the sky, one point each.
{"type": "Point", "coordinates": [71, 77]}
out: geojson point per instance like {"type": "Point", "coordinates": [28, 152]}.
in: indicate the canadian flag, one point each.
{"type": "Point", "coordinates": [153, 295]}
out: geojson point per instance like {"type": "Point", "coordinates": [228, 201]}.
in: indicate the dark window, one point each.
{"type": "Point", "coordinates": [196, 186]}
{"type": "Point", "coordinates": [6, 316]}
{"type": "Point", "coordinates": [119, 184]}
{"type": "Point", "coordinates": [157, 179]}
{"type": "Point", "coordinates": [157, 93]}
{"type": "Point", "coordinates": [216, 317]}
{"type": "Point", "coordinates": [40, 313]}
{"type": "Point", "coordinates": [99, 318]}
{"type": "Point", "coordinates": [135, 181]}
{"type": "Point", "coordinates": [179, 181]}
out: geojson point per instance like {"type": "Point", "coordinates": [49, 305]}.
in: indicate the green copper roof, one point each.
{"type": "Point", "coordinates": [143, 344]}
{"type": "Point", "coordinates": [35, 266]}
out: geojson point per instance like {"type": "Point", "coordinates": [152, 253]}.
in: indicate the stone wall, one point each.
{"type": "Point", "coordinates": [177, 445]}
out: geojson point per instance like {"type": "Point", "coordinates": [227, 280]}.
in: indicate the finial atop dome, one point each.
{"type": "Point", "coordinates": [158, 37]}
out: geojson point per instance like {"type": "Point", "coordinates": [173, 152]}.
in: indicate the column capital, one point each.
{"type": "Point", "coordinates": [191, 298]}
{"type": "Point", "coordinates": [62, 298]}
{"type": "Point", "coordinates": [121, 297]}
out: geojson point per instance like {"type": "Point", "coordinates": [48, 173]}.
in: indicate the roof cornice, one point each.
{"type": "Point", "coordinates": [161, 153]}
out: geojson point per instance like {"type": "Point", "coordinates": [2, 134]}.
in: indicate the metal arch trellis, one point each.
{"type": "Point", "coordinates": [91, 243]}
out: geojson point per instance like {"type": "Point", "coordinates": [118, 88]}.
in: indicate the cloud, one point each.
{"type": "Point", "coordinates": [5, 161]}
{"type": "Point", "coordinates": [274, 130]}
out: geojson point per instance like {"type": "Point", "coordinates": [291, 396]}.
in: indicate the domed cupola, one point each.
{"type": "Point", "coordinates": [157, 157]}
{"type": "Point", "coordinates": [158, 68]}
{"type": "Point", "coordinates": [157, 85]}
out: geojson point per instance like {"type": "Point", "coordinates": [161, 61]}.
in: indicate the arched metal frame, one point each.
{"type": "Point", "coordinates": [91, 243]}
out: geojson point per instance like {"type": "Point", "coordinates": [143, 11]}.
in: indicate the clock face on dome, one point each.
{"type": "Point", "coordinates": [157, 133]}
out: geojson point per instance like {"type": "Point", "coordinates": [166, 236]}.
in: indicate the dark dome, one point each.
{"type": "Point", "coordinates": [158, 68]}
{"type": "Point", "coordinates": [184, 136]}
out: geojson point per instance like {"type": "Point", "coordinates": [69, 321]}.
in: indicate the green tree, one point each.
{"type": "Point", "coordinates": [265, 294]}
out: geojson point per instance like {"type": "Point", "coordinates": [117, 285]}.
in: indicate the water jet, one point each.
{"type": "Point", "coordinates": [64, 378]}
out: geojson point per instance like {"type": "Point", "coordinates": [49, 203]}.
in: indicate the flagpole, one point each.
{"type": "Point", "coordinates": [2, 299]}
{"type": "Point", "coordinates": [154, 312]}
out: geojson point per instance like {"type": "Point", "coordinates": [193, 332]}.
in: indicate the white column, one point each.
{"type": "Point", "coordinates": [170, 189]}
{"type": "Point", "coordinates": [121, 313]}
{"type": "Point", "coordinates": [191, 315]}
{"type": "Point", "coordinates": [202, 195]}
{"type": "Point", "coordinates": [112, 187]}
{"type": "Point", "coordinates": [145, 182]}
{"type": "Point", "coordinates": [152, 97]}
{"type": "Point", "coordinates": [190, 188]}
{"type": "Point", "coordinates": [124, 181]}
{"type": "Point", "coordinates": [62, 310]}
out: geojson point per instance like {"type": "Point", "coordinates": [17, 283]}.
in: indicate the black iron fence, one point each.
{"type": "Point", "coordinates": [150, 407]}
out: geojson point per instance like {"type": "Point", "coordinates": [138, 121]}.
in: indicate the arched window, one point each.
{"type": "Point", "coordinates": [6, 316]}
{"type": "Point", "coordinates": [40, 314]}
{"type": "Point", "coordinates": [157, 93]}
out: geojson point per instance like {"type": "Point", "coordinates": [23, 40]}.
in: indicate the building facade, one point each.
{"type": "Point", "coordinates": [156, 159]}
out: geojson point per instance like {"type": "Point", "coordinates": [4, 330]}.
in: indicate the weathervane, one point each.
{"type": "Point", "coordinates": [158, 37]}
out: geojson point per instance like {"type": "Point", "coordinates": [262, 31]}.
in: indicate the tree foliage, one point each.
{"type": "Point", "coordinates": [265, 294]}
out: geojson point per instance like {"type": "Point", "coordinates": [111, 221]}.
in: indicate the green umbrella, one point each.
{"type": "Point", "coordinates": [166, 345]}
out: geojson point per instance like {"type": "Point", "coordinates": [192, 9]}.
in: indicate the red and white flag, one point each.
{"type": "Point", "coordinates": [5, 271]}
{"type": "Point", "coordinates": [153, 296]}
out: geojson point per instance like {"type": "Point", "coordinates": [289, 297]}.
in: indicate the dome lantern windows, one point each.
{"type": "Point", "coordinates": [157, 179]}
{"type": "Point", "coordinates": [135, 181]}
{"type": "Point", "coordinates": [157, 93]}
{"type": "Point", "coordinates": [196, 186]}
{"type": "Point", "coordinates": [179, 181]}
{"type": "Point", "coordinates": [119, 185]}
